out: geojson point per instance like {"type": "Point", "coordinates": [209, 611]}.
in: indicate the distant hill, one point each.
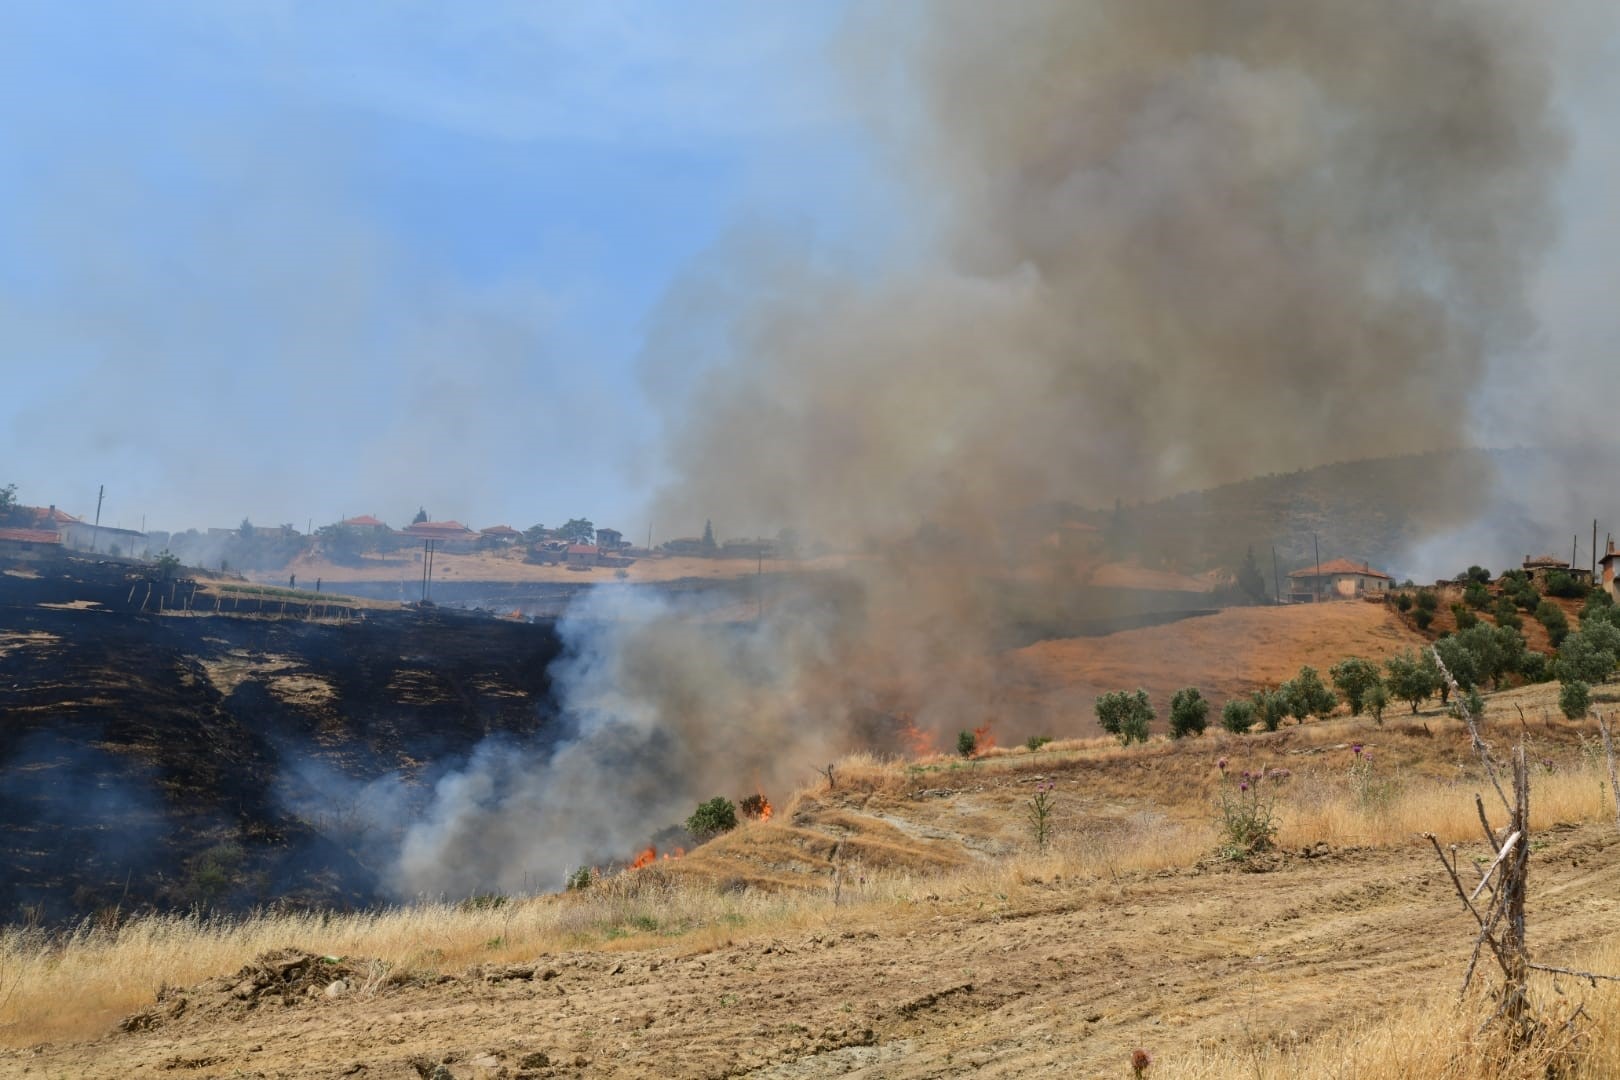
{"type": "Point", "coordinates": [1418, 516]}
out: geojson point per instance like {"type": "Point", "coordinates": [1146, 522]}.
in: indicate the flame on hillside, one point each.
{"type": "Point", "coordinates": [983, 739]}
{"type": "Point", "coordinates": [757, 807]}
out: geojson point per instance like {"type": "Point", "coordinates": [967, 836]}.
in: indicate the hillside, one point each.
{"type": "Point", "coordinates": [1403, 514]}
{"type": "Point", "coordinates": [902, 923]}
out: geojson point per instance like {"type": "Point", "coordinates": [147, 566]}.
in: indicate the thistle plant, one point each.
{"type": "Point", "coordinates": [1039, 812]}
{"type": "Point", "coordinates": [1248, 819]}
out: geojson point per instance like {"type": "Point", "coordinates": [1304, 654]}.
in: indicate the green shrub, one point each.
{"type": "Point", "coordinates": [1575, 698]}
{"type": "Point", "coordinates": [1565, 585]}
{"type": "Point", "coordinates": [1422, 617]}
{"type": "Point", "coordinates": [1427, 600]}
{"type": "Point", "coordinates": [712, 818]}
{"type": "Point", "coordinates": [1237, 716]}
{"type": "Point", "coordinates": [1377, 700]}
{"type": "Point", "coordinates": [1035, 742]}
{"type": "Point", "coordinates": [1308, 695]}
{"type": "Point", "coordinates": [1473, 703]}
{"type": "Point", "coordinates": [1125, 715]}
{"type": "Point", "coordinates": [1534, 667]}
{"type": "Point", "coordinates": [1270, 707]}
{"type": "Point", "coordinates": [1413, 678]}
{"type": "Point", "coordinates": [1403, 601]}
{"type": "Point", "coordinates": [1552, 617]}
{"type": "Point", "coordinates": [1354, 677]}
{"type": "Point", "coordinates": [1478, 575]}
{"type": "Point", "coordinates": [966, 743]}
{"type": "Point", "coordinates": [1189, 713]}
{"type": "Point", "coordinates": [1476, 596]}
{"type": "Point", "coordinates": [1507, 614]}
{"type": "Point", "coordinates": [1588, 656]}
{"type": "Point", "coordinates": [1466, 619]}
{"type": "Point", "coordinates": [581, 878]}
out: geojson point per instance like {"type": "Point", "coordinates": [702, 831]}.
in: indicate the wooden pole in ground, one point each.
{"type": "Point", "coordinates": [1608, 752]}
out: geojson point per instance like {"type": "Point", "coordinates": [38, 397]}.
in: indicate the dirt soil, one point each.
{"type": "Point", "coordinates": [1226, 654]}
{"type": "Point", "coordinates": [1064, 980]}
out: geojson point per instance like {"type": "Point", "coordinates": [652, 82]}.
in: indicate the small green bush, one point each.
{"type": "Point", "coordinates": [1307, 695]}
{"type": "Point", "coordinates": [1575, 698]}
{"type": "Point", "coordinates": [1035, 742]}
{"type": "Point", "coordinates": [1377, 700]}
{"type": "Point", "coordinates": [1413, 677]}
{"type": "Point", "coordinates": [1189, 713]}
{"type": "Point", "coordinates": [1534, 667]}
{"type": "Point", "coordinates": [1478, 575]}
{"type": "Point", "coordinates": [1237, 716]}
{"type": "Point", "coordinates": [966, 743]}
{"type": "Point", "coordinates": [1552, 617]}
{"type": "Point", "coordinates": [1354, 677]}
{"type": "Point", "coordinates": [1427, 600]}
{"type": "Point", "coordinates": [1125, 715]}
{"type": "Point", "coordinates": [1466, 619]}
{"type": "Point", "coordinates": [1565, 585]}
{"type": "Point", "coordinates": [1403, 601]}
{"type": "Point", "coordinates": [1270, 708]}
{"type": "Point", "coordinates": [1422, 617]}
{"type": "Point", "coordinates": [1507, 614]}
{"type": "Point", "coordinates": [712, 818]}
{"type": "Point", "coordinates": [1477, 596]}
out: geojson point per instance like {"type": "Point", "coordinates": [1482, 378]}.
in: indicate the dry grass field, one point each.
{"type": "Point", "coordinates": [1225, 654]}
{"type": "Point", "coordinates": [508, 566]}
{"type": "Point", "coordinates": [904, 922]}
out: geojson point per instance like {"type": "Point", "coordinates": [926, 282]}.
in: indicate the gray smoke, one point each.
{"type": "Point", "coordinates": [1171, 242]}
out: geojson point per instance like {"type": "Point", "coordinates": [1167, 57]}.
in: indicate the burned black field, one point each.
{"type": "Point", "coordinates": [176, 761]}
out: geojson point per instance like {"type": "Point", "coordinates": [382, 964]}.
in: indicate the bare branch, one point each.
{"type": "Point", "coordinates": [1480, 746]}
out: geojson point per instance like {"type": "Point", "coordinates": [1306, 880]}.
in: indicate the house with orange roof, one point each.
{"type": "Point", "coordinates": [1336, 579]}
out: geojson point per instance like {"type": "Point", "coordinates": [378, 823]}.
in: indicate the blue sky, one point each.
{"type": "Point", "coordinates": [291, 261]}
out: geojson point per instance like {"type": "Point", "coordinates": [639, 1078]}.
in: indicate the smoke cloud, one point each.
{"type": "Point", "coordinates": [1168, 243]}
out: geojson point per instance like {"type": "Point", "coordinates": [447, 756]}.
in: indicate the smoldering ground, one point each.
{"type": "Point", "coordinates": [1165, 243]}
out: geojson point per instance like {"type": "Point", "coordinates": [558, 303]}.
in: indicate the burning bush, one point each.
{"type": "Point", "coordinates": [712, 818]}
{"type": "Point", "coordinates": [756, 806]}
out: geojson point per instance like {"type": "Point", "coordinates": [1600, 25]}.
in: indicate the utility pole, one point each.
{"type": "Point", "coordinates": [95, 532]}
{"type": "Point", "coordinates": [427, 562]}
{"type": "Point", "coordinates": [1574, 546]}
{"type": "Point", "coordinates": [649, 538]}
{"type": "Point", "coordinates": [759, 586]}
{"type": "Point", "coordinates": [1316, 590]}
{"type": "Point", "coordinates": [1276, 578]}
{"type": "Point", "coordinates": [1594, 549]}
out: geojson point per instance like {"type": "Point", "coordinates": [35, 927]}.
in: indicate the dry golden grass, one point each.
{"type": "Point", "coordinates": [1160, 800]}
{"type": "Point", "coordinates": [1430, 1039]}
{"type": "Point", "coordinates": [1226, 654]}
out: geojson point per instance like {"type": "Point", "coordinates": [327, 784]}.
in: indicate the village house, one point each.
{"type": "Point", "coordinates": [1336, 579]}
{"type": "Point", "coordinates": [364, 523]}
{"type": "Point", "coordinates": [1541, 567]}
{"type": "Point", "coordinates": [610, 539]}
{"type": "Point", "coordinates": [32, 545]}
{"type": "Point", "coordinates": [686, 545]}
{"type": "Point", "coordinates": [499, 535]}
{"type": "Point", "coordinates": [581, 556]}
{"type": "Point", "coordinates": [1606, 569]}
{"type": "Point", "coordinates": [450, 536]}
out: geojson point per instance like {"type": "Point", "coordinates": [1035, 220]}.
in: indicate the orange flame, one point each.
{"type": "Point", "coordinates": [644, 858]}
{"type": "Point", "coordinates": [982, 738]}
{"type": "Point", "coordinates": [919, 742]}
{"type": "Point", "coordinates": [757, 806]}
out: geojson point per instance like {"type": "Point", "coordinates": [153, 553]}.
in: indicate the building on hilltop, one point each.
{"type": "Point", "coordinates": [1541, 567]}
{"type": "Point", "coordinates": [1607, 567]}
{"type": "Point", "coordinates": [500, 534]}
{"type": "Point", "coordinates": [1337, 579]}
{"type": "Point", "coordinates": [446, 535]}
{"type": "Point", "coordinates": [30, 544]}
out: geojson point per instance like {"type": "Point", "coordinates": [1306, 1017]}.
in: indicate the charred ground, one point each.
{"type": "Point", "coordinates": [161, 759]}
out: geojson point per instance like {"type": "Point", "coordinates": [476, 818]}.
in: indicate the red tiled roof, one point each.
{"type": "Point", "coordinates": [48, 516]}
{"type": "Point", "coordinates": [1339, 566]}
{"type": "Point", "coordinates": [500, 530]}
{"type": "Point", "coordinates": [582, 549]}
{"type": "Point", "coordinates": [31, 536]}
{"type": "Point", "coordinates": [364, 521]}
{"type": "Point", "coordinates": [439, 530]}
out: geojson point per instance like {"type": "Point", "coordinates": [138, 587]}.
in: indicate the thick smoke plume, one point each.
{"type": "Point", "coordinates": [1172, 242]}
